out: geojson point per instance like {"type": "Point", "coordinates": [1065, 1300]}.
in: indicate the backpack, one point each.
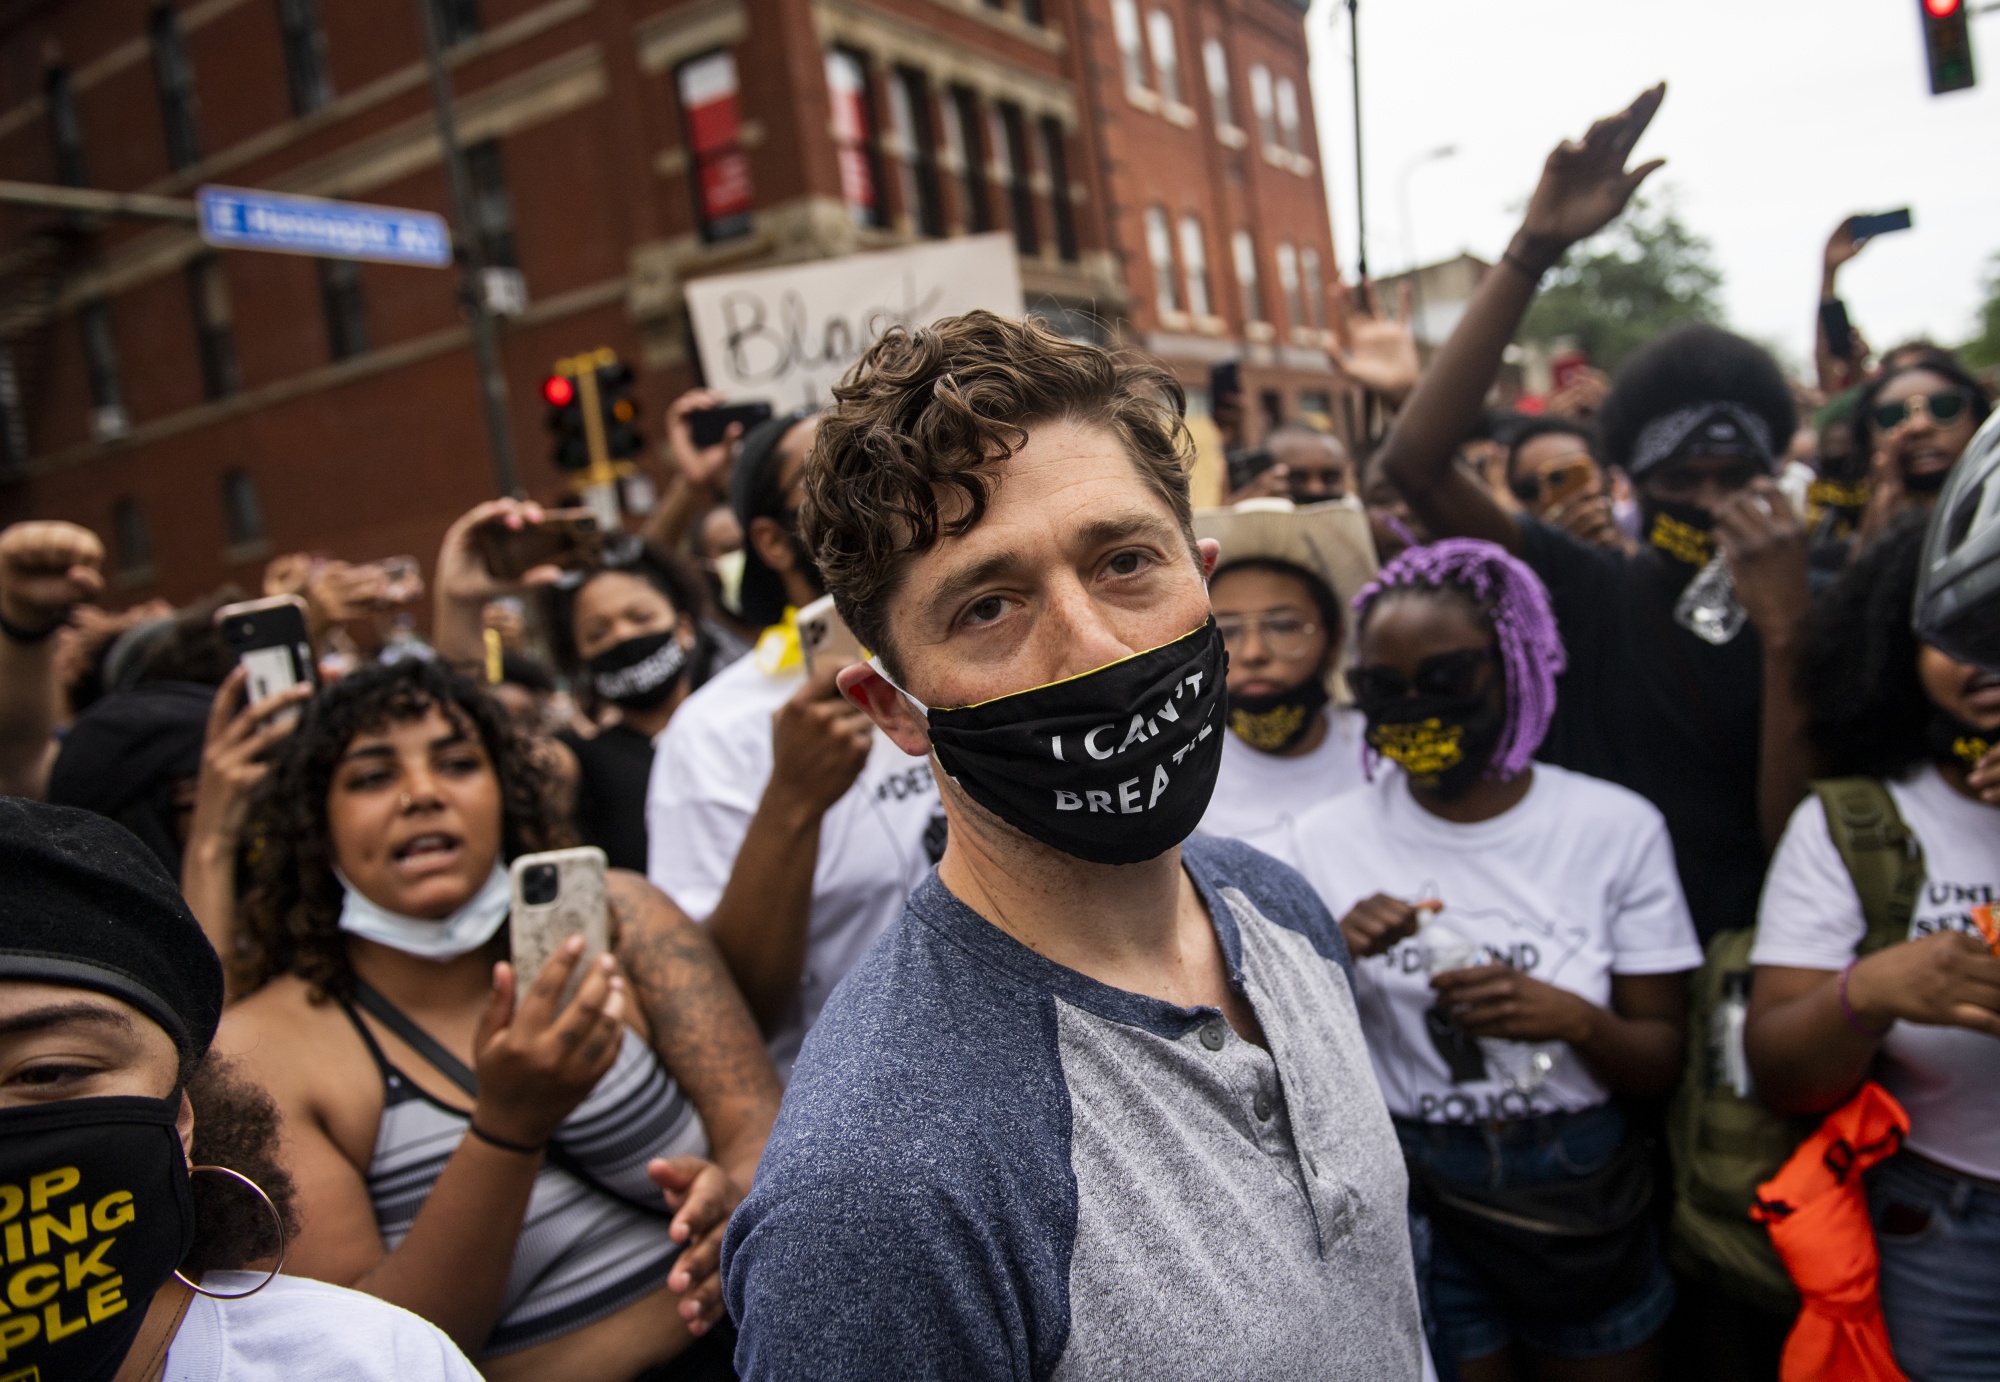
{"type": "Point", "coordinates": [1724, 1146]}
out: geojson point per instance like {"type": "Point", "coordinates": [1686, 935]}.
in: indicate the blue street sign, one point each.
{"type": "Point", "coordinates": [241, 218]}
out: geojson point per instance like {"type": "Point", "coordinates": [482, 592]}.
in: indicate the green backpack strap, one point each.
{"type": "Point", "coordinates": [1883, 858]}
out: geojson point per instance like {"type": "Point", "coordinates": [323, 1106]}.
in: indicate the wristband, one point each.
{"type": "Point", "coordinates": [17, 634]}
{"type": "Point", "coordinates": [1522, 267]}
{"type": "Point", "coordinates": [520, 1148]}
{"type": "Point", "coordinates": [1847, 1008]}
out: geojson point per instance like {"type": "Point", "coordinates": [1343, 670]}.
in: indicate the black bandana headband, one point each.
{"type": "Point", "coordinates": [1702, 429]}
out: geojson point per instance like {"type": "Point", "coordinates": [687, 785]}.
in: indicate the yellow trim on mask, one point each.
{"type": "Point", "coordinates": [1080, 675]}
{"type": "Point", "coordinates": [778, 651]}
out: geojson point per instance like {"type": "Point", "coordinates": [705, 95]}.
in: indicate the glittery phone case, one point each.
{"type": "Point", "coordinates": [540, 923]}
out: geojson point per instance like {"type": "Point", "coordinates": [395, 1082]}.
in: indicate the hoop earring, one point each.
{"type": "Point", "coordinates": [276, 1218]}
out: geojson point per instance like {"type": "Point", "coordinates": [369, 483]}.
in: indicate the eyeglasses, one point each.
{"type": "Point", "coordinates": [1287, 637]}
{"type": "Point", "coordinates": [1564, 478]}
{"type": "Point", "coordinates": [1941, 407]}
{"type": "Point", "coordinates": [1454, 675]}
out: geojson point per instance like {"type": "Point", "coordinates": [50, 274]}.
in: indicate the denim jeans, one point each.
{"type": "Point", "coordinates": [1939, 1238]}
{"type": "Point", "coordinates": [1467, 1318]}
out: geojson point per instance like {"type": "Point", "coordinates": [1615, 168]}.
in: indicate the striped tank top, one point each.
{"type": "Point", "coordinates": [594, 1238]}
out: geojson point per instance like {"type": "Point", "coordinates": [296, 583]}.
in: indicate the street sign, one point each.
{"type": "Point", "coordinates": [241, 218]}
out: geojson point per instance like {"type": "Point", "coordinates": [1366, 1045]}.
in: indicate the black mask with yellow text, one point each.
{"type": "Point", "coordinates": [1273, 723]}
{"type": "Point", "coordinates": [1114, 766]}
{"type": "Point", "coordinates": [1956, 741]}
{"type": "Point", "coordinates": [1443, 742]}
{"type": "Point", "coordinates": [1681, 533]}
{"type": "Point", "coordinates": [95, 1214]}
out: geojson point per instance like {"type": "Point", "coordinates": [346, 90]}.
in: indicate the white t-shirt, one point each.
{"type": "Point", "coordinates": [1259, 795]}
{"type": "Point", "coordinates": [295, 1330]}
{"type": "Point", "coordinates": [1575, 884]}
{"type": "Point", "coordinates": [1947, 1078]}
{"type": "Point", "coordinates": [708, 776]}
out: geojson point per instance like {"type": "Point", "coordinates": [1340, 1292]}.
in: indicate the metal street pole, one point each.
{"type": "Point", "coordinates": [485, 338]}
{"type": "Point", "coordinates": [1360, 190]}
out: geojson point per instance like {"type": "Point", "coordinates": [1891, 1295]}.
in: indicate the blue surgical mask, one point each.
{"type": "Point", "coordinates": [461, 933]}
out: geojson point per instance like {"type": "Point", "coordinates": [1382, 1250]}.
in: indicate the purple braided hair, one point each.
{"type": "Point", "coordinates": [1512, 595]}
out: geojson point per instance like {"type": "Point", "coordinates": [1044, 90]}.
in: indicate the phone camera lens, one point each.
{"type": "Point", "coordinates": [539, 884]}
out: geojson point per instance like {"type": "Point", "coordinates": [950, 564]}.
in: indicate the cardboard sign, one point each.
{"type": "Point", "coordinates": [789, 334]}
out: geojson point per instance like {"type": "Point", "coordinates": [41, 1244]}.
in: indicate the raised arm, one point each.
{"type": "Point", "coordinates": [464, 585]}
{"type": "Point", "coordinates": [1584, 185]}
{"type": "Point", "coordinates": [701, 473]}
{"type": "Point", "coordinates": [45, 568]}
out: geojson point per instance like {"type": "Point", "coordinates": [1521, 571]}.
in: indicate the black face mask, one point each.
{"type": "Point", "coordinates": [95, 1214]}
{"type": "Point", "coordinates": [1443, 742]}
{"type": "Point", "coordinates": [641, 672]}
{"type": "Point", "coordinates": [1115, 766]}
{"type": "Point", "coordinates": [1956, 741]}
{"type": "Point", "coordinates": [1272, 724]}
{"type": "Point", "coordinates": [1925, 482]}
{"type": "Point", "coordinates": [1681, 533]}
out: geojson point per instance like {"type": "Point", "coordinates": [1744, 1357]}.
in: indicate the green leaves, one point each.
{"type": "Point", "coordinates": [1619, 289]}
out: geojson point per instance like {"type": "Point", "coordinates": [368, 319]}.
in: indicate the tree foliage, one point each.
{"type": "Point", "coordinates": [1983, 350]}
{"type": "Point", "coordinates": [1618, 290]}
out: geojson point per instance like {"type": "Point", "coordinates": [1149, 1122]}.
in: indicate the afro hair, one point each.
{"type": "Point", "coordinates": [1697, 363]}
{"type": "Point", "coordinates": [1866, 707]}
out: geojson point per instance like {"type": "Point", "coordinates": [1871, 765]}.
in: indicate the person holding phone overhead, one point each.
{"type": "Point", "coordinates": [777, 816]}
{"type": "Point", "coordinates": [532, 1176]}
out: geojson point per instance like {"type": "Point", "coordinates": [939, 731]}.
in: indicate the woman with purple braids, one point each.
{"type": "Point", "coordinates": [1522, 946]}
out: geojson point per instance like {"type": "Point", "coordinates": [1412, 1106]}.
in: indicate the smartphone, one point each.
{"type": "Point", "coordinates": [1868, 227]}
{"type": "Point", "coordinates": [404, 578]}
{"type": "Point", "coordinates": [1564, 481]}
{"type": "Point", "coordinates": [707, 426]}
{"type": "Point", "coordinates": [1245, 466]}
{"type": "Point", "coordinates": [557, 895]}
{"type": "Point", "coordinates": [825, 639]}
{"type": "Point", "coordinates": [568, 538]}
{"type": "Point", "coordinates": [269, 638]}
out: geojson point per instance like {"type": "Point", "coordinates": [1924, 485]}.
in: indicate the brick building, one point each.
{"type": "Point", "coordinates": [1156, 161]}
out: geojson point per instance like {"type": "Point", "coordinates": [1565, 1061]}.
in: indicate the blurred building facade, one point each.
{"type": "Point", "coordinates": [1155, 160]}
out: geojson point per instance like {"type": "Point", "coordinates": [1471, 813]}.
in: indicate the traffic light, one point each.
{"type": "Point", "coordinates": [622, 440]}
{"type": "Point", "coordinates": [1947, 45]}
{"type": "Point", "coordinates": [565, 423]}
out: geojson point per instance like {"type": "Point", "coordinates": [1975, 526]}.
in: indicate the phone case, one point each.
{"type": "Point", "coordinates": [269, 637]}
{"type": "Point", "coordinates": [581, 907]}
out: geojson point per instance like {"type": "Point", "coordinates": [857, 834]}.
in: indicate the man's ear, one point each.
{"type": "Point", "coordinates": [887, 707]}
{"type": "Point", "coordinates": [772, 544]}
{"type": "Point", "coordinates": [1211, 553]}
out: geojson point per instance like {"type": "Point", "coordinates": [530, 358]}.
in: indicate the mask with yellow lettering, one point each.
{"type": "Point", "coordinates": [95, 1214]}
{"type": "Point", "coordinates": [1679, 532]}
{"type": "Point", "coordinates": [1957, 741]}
{"type": "Point", "coordinates": [1272, 724]}
{"type": "Point", "coordinates": [1443, 742]}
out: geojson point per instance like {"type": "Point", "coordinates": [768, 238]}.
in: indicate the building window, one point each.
{"type": "Point", "coordinates": [1262, 105]}
{"type": "Point", "coordinates": [1215, 68]}
{"type": "Point", "coordinates": [854, 136]}
{"type": "Point", "coordinates": [1131, 47]}
{"type": "Point", "coordinates": [1314, 289]}
{"type": "Point", "coordinates": [1166, 58]}
{"type": "Point", "coordinates": [1031, 10]}
{"type": "Point", "coordinates": [711, 114]}
{"type": "Point", "coordinates": [173, 74]}
{"type": "Point", "coordinates": [1057, 160]}
{"type": "Point", "coordinates": [13, 418]}
{"type": "Point", "coordinates": [1316, 406]}
{"type": "Point", "coordinates": [131, 539]}
{"type": "Point", "coordinates": [305, 55]}
{"type": "Point", "coordinates": [1194, 267]}
{"type": "Point", "coordinates": [1244, 250]}
{"type": "Point", "coordinates": [1013, 136]}
{"type": "Point", "coordinates": [492, 208]}
{"type": "Point", "coordinates": [100, 357]}
{"type": "Point", "coordinates": [963, 138]}
{"type": "Point", "coordinates": [457, 20]}
{"type": "Point", "coordinates": [66, 130]}
{"type": "Point", "coordinates": [1288, 284]}
{"type": "Point", "coordinates": [346, 313]}
{"type": "Point", "coordinates": [1271, 404]}
{"type": "Point", "coordinates": [1288, 116]}
{"type": "Point", "coordinates": [242, 510]}
{"type": "Point", "coordinates": [208, 294]}
{"type": "Point", "coordinates": [916, 150]}
{"type": "Point", "coordinates": [1160, 249]}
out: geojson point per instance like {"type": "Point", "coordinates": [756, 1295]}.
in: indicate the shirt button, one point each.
{"type": "Point", "coordinates": [1261, 1106]}
{"type": "Point", "coordinates": [1212, 1037]}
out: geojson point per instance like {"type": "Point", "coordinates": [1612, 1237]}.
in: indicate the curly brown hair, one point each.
{"type": "Point", "coordinates": [291, 909]}
{"type": "Point", "coordinates": [934, 410]}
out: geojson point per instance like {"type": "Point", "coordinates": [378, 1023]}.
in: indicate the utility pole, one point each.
{"type": "Point", "coordinates": [472, 283]}
{"type": "Point", "coordinates": [1360, 191]}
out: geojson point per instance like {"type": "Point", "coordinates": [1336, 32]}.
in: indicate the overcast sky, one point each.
{"type": "Point", "coordinates": [1781, 118]}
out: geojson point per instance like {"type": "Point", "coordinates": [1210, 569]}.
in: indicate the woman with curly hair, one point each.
{"type": "Point", "coordinates": [465, 1146]}
{"type": "Point", "coordinates": [1921, 1013]}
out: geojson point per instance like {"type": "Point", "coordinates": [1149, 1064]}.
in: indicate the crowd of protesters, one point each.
{"type": "Point", "coordinates": [1509, 895]}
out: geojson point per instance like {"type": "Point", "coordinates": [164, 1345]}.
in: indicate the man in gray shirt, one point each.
{"type": "Point", "coordinates": [1100, 1105]}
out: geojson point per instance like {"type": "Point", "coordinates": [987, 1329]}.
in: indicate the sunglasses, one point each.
{"type": "Point", "coordinates": [1941, 407]}
{"type": "Point", "coordinates": [1455, 675]}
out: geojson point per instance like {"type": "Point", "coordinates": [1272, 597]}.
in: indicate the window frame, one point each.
{"type": "Point", "coordinates": [1167, 302]}
{"type": "Point", "coordinates": [344, 305]}
{"type": "Point", "coordinates": [1055, 157]}
{"type": "Point", "coordinates": [917, 159]}
{"type": "Point", "coordinates": [712, 165]}
{"type": "Point", "coordinates": [965, 136]}
{"type": "Point", "coordinates": [1019, 163]}
{"type": "Point", "coordinates": [214, 327]}
{"type": "Point", "coordinates": [1193, 245]}
{"type": "Point", "coordinates": [174, 84]}
{"type": "Point", "coordinates": [66, 140]}
{"type": "Point", "coordinates": [1162, 40]}
{"type": "Point", "coordinates": [308, 75]}
{"type": "Point", "coordinates": [859, 152]}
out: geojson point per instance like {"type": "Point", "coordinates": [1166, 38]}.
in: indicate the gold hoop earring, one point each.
{"type": "Point", "coordinates": [276, 1218]}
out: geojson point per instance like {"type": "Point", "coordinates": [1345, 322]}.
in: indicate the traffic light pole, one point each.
{"type": "Point", "coordinates": [1360, 191]}
{"type": "Point", "coordinates": [485, 337]}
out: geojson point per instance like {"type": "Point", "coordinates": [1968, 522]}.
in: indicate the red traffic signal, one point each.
{"type": "Point", "coordinates": [558, 390]}
{"type": "Point", "coordinates": [1943, 9]}
{"type": "Point", "coordinates": [1947, 45]}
